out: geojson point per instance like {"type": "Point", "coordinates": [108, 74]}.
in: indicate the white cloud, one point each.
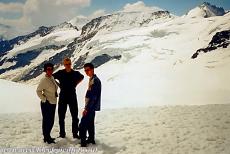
{"type": "Point", "coordinates": [52, 12]}
{"type": "Point", "coordinates": [11, 7]}
{"type": "Point", "coordinates": [37, 13]}
{"type": "Point", "coordinates": [16, 27]}
{"type": "Point", "coordinates": [97, 13]}
{"type": "Point", "coordinates": [139, 6]}
{"type": "Point", "coordinates": [73, 2]}
{"type": "Point", "coordinates": [22, 22]}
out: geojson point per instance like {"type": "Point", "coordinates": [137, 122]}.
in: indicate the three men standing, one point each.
{"type": "Point", "coordinates": [68, 81]}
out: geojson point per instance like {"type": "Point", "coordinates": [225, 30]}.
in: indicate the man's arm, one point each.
{"type": "Point", "coordinates": [92, 95]}
{"type": "Point", "coordinates": [57, 75]}
{"type": "Point", "coordinates": [80, 77]}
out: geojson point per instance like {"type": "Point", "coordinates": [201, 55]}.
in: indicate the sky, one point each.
{"type": "Point", "coordinates": [27, 15]}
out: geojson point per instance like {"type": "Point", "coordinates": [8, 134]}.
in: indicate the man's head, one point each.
{"type": "Point", "coordinates": [67, 64]}
{"type": "Point", "coordinates": [89, 69]}
{"type": "Point", "coordinates": [48, 68]}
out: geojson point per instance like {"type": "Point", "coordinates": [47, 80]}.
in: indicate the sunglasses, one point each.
{"type": "Point", "coordinates": [87, 70]}
{"type": "Point", "coordinates": [67, 64]}
{"type": "Point", "coordinates": [49, 69]}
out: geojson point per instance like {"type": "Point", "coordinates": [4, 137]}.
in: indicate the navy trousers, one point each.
{"type": "Point", "coordinates": [87, 125]}
{"type": "Point", "coordinates": [48, 114]}
{"type": "Point", "coordinates": [62, 108]}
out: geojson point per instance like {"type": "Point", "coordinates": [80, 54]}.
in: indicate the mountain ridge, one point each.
{"type": "Point", "coordinates": [119, 37]}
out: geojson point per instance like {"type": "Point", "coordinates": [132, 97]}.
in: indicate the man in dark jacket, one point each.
{"type": "Point", "coordinates": [92, 104]}
{"type": "Point", "coordinates": [68, 80]}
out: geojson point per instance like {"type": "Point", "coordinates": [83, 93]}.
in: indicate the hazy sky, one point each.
{"type": "Point", "coordinates": [178, 7]}
{"type": "Point", "coordinates": [30, 14]}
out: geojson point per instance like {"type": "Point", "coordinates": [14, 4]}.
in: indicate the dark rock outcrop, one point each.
{"type": "Point", "coordinates": [219, 40]}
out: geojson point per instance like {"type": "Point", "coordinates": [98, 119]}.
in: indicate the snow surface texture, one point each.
{"type": "Point", "coordinates": [157, 130]}
{"type": "Point", "coordinates": [16, 97]}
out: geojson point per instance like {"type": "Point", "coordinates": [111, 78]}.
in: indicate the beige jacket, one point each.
{"type": "Point", "coordinates": [46, 90]}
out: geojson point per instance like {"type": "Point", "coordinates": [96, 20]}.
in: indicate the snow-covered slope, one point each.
{"type": "Point", "coordinates": [162, 129]}
{"type": "Point", "coordinates": [154, 62]}
{"type": "Point", "coordinates": [143, 61]}
{"type": "Point", "coordinates": [206, 10]}
{"type": "Point", "coordinates": [59, 41]}
{"type": "Point", "coordinates": [17, 98]}
{"type": "Point", "coordinates": [166, 129]}
{"type": "Point", "coordinates": [124, 20]}
{"type": "Point", "coordinates": [141, 58]}
{"type": "Point", "coordinates": [24, 53]}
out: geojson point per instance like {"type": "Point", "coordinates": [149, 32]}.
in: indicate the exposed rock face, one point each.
{"type": "Point", "coordinates": [219, 40]}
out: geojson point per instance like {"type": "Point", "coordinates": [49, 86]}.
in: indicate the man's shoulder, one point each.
{"type": "Point", "coordinates": [96, 79]}
{"type": "Point", "coordinates": [62, 71]}
{"type": "Point", "coordinates": [43, 80]}
{"type": "Point", "coordinates": [58, 75]}
{"type": "Point", "coordinates": [77, 73]}
{"type": "Point", "coordinates": [59, 71]}
{"type": "Point", "coordinates": [44, 77]}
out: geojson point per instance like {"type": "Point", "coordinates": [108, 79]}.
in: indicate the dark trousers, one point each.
{"type": "Point", "coordinates": [48, 114]}
{"type": "Point", "coordinates": [62, 108]}
{"type": "Point", "coordinates": [87, 125]}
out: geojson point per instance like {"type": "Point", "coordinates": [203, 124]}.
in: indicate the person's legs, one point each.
{"type": "Point", "coordinates": [62, 107]}
{"type": "Point", "coordinates": [44, 120]}
{"type": "Point", "coordinates": [83, 130]}
{"type": "Point", "coordinates": [74, 113]}
{"type": "Point", "coordinates": [91, 127]}
{"type": "Point", "coordinates": [51, 116]}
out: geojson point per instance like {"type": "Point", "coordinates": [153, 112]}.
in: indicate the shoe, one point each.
{"type": "Point", "coordinates": [88, 141]}
{"type": "Point", "coordinates": [76, 136]}
{"type": "Point", "coordinates": [49, 141]}
{"type": "Point", "coordinates": [62, 136]}
{"type": "Point", "coordinates": [83, 144]}
{"type": "Point", "coordinates": [52, 138]}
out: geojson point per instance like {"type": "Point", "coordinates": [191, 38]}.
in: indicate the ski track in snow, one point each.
{"type": "Point", "coordinates": [158, 130]}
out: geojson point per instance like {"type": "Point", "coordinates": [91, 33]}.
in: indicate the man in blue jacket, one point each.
{"type": "Point", "coordinates": [92, 104]}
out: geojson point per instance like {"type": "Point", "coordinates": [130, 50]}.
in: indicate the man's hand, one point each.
{"type": "Point", "coordinates": [84, 112]}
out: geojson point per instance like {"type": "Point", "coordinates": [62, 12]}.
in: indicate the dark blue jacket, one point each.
{"type": "Point", "coordinates": [68, 82]}
{"type": "Point", "coordinates": [93, 94]}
